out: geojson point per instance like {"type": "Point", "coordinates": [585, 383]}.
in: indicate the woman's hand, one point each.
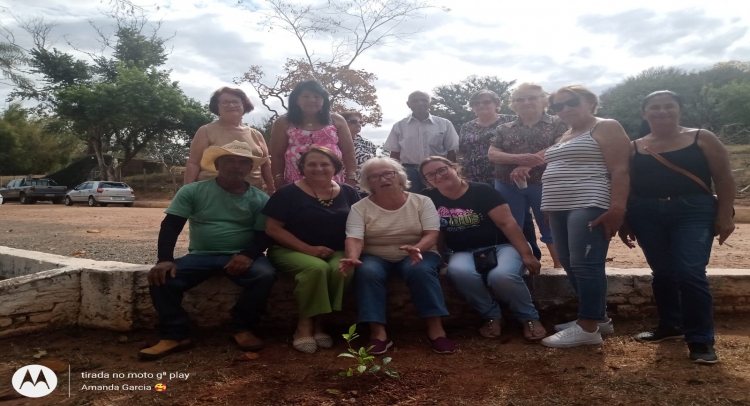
{"type": "Point", "coordinates": [532, 264]}
{"type": "Point", "coordinates": [530, 160]}
{"type": "Point", "coordinates": [626, 235]}
{"type": "Point", "coordinates": [277, 183]}
{"type": "Point", "coordinates": [414, 253]}
{"type": "Point", "coordinates": [611, 220]}
{"type": "Point", "coordinates": [347, 264]}
{"type": "Point", "coordinates": [351, 182]}
{"type": "Point", "coordinates": [723, 227]}
{"type": "Point", "coordinates": [520, 174]}
{"type": "Point", "coordinates": [319, 252]}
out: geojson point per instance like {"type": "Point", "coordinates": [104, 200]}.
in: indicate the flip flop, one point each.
{"type": "Point", "coordinates": [486, 330]}
{"type": "Point", "coordinates": [182, 346]}
{"type": "Point", "coordinates": [323, 340]}
{"type": "Point", "coordinates": [305, 344]}
{"type": "Point", "coordinates": [530, 327]}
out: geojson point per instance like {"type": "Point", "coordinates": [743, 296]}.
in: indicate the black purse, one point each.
{"type": "Point", "coordinates": [485, 260]}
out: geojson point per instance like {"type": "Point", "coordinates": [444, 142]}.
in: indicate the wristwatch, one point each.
{"type": "Point", "coordinates": [352, 177]}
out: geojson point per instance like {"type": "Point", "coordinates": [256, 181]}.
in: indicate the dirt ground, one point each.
{"type": "Point", "coordinates": [503, 372]}
{"type": "Point", "coordinates": [116, 233]}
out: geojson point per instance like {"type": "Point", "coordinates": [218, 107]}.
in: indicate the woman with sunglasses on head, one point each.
{"type": "Point", "coordinates": [674, 218]}
{"type": "Point", "coordinates": [364, 149]}
{"type": "Point", "coordinates": [517, 151]}
{"type": "Point", "coordinates": [475, 221]}
{"type": "Point", "coordinates": [393, 230]}
{"type": "Point", "coordinates": [309, 122]}
{"type": "Point", "coordinates": [585, 191]}
{"type": "Point", "coordinates": [229, 104]}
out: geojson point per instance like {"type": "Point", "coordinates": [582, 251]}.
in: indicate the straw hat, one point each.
{"type": "Point", "coordinates": [234, 148]}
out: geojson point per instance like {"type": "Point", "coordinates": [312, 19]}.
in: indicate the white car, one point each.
{"type": "Point", "coordinates": [101, 193]}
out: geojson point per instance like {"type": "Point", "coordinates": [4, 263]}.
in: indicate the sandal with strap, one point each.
{"type": "Point", "coordinates": [486, 330]}
{"type": "Point", "coordinates": [531, 337]}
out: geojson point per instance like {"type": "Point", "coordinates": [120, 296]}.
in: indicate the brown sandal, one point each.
{"type": "Point", "coordinates": [486, 329]}
{"type": "Point", "coordinates": [164, 348]}
{"type": "Point", "coordinates": [531, 337]}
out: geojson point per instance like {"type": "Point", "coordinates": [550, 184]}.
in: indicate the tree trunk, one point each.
{"type": "Point", "coordinates": [96, 143]}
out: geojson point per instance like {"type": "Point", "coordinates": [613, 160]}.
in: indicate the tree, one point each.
{"type": "Point", "coordinates": [352, 27]}
{"type": "Point", "coordinates": [452, 101]}
{"type": "Point", "coordinates": [733, 104]}
{"type": "Point", "coordinates": [30, 144]}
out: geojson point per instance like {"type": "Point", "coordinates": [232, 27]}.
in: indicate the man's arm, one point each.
{"type": "Point", "coordinates": [392, 142]}
{"type": "Point", "coordinates": [450, 142]}
{"type": "Point", "coordinates": [171, 227]}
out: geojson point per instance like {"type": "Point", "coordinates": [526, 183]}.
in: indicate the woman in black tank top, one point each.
{"type": "Point", "coordinates": [673, 216]}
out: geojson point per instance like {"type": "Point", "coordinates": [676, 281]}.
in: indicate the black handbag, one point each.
{"type": "Point", "coordinates": [485, 260]}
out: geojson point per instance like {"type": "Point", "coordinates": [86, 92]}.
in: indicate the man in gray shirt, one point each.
{"type": "Point", "coordinates": [419, 136]}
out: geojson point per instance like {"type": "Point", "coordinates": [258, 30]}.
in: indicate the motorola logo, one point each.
{"type": "Point", "coordinates": [34, 381]}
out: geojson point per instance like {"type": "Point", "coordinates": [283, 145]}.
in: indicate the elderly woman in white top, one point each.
{"type": "Point", "coordinates": [394, 230]}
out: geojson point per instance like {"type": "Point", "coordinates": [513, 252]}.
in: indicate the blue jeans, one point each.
{"type": "Point", "coordinates": [412, 173]}
{"type": "Point", "coordinates": [520, 200]}
{"type": "Point", "coordinates": [676, 236]}
{"type": "Point", "coordinates": [583, 254]}
{"type": "Point", "coordinates": [505, 282]}
{"type": "Point", "coordinates": [192, 270]}
{"type": "Point", "coordinates": [422, 280]}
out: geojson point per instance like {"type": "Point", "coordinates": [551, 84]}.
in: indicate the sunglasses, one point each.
{"type": "Point", "coordinates": [483, 103]}
{"type": "Point", "coordinates": [558, 107]}
{"type": "Point", "coordinates": [354, 121]}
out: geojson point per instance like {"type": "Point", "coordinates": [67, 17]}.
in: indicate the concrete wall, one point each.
{"type": "Point", "coordinates": [58, 291]}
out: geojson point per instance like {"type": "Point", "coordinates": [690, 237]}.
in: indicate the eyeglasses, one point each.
{"type": "Point", "coordinates": [558, 107]}
{"type": "Point", "coordinates": [384, 175]}
{"type": "Point", "coordinates": [230, 103]}
{"type": "Point", "coordinates": [530, 99]}
{"type": "Point", "coordinates": [484, 102]}
{"type": "Point", "coordinates": [440, 172]}
{"type": "Point", "coordinates": [353, 122]}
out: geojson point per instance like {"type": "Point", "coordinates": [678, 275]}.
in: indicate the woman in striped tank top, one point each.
{"type": "Point", "coordinates": [584, 191]}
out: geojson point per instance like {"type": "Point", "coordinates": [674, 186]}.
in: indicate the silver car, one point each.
{"type": "Point", "coordinates": [101, 193]}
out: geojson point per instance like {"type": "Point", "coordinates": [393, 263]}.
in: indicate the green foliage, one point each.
{"type": "Point", "coordinates": [733, 102]}
{"type": "Point", "coordinates": [29, 145]}
{"type": "Point", "coordinates": [697, 88]}
{"type": "Point", "coordinates": [364, 358]}
{"type": "Point", "coordinates": [452, 101]}
{"type": "Point", "coordinates": [12, 58]}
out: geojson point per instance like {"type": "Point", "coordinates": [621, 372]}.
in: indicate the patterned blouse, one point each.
{"type": "Point", "coordinates": [364, 149]}
{"type": "Point", "coordinates": [474, 145]}
{"type": "Point", "coordinates": [516, 138]}
{"type": "Point", "coordinates": [300, 140]}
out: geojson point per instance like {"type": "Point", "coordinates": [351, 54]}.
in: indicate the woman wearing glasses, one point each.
{"type": "Point", "coordinates": [230, 104]}
{"type": "Point", "coordinates": [475, 220]}
{"type": "Point", "coordinates": [517, 154]}
{"type": "Point", "coordinates": [393, 230]}
{"type": "Point", "coordinates": [309, 122]}
{"type": "Point", "coordinates": [585, 191]}
{"type": "Point", "coordinates": [364, 149]}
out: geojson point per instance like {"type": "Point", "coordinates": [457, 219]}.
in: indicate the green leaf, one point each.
{"type": "Point", "coordinates": [333, 391]}
{"type": "Point", "coordinates": [368, 358]}
{"type": "Point", "coordinates": [375, 368]}
{"type": "Point", "coordinates": [370, 348]}
{"type": "Point", "coordinates": [354, 336]}
{"type": "Point", "coordinates": [362, 352]}
{"type": "Point", "coordinates": [352, 351]}
{"type": "Point", "coordinates": [361, 368]}
{"type": "Point", "coordinates": [349, 372]}
{"type": "Point", "coordinates": [343, 354]}
{"type": "Point", "coordinates": [346, 336]}
{"type": "Point", "coordinates": [352, 329]}
{"type": "Point", "coordinates": [392, 373]}
{"type": "Point", "coordinates": [386, 360]}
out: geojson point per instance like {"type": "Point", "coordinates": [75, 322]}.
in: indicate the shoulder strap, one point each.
{"type": "Point", "coordinates": [675, 167]}
{"type": "Point", "coordinates": [696, 136]}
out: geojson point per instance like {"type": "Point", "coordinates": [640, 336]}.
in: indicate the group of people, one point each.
{"type": "Point", "coordinates": [334, 215]}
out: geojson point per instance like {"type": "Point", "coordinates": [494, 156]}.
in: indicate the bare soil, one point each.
{"type": "Point", "coordinates": [503, 372]}
{"type": "Point", "coordinates": [117, 233]}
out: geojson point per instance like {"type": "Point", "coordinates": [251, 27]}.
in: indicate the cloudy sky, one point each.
{"type": "Point", "coordinates": [554, 43]}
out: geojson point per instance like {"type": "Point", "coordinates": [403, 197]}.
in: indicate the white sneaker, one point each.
{"type": "Point", "coordinates": [572, 337]}
{"type": "Point", "coordinates": [604, 328]}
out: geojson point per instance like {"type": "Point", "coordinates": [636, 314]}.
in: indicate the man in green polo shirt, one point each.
{"type": "Point", "coordinates": [227, 237]}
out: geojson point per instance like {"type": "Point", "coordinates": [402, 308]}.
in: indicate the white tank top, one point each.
{"type": "Point", "coordinates": [576, 176]}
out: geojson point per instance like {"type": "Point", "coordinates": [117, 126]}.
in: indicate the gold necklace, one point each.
{"type": "Point", "coordinates": [325, 203]}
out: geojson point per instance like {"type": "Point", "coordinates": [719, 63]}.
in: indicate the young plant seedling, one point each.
{"type": "Point", "coordinates": [365, 361]}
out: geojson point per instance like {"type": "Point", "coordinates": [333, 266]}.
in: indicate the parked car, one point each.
{"type": "Point", "coordinates": [101, 193]}
{"type": "Point", "coordinates": [32, 190]}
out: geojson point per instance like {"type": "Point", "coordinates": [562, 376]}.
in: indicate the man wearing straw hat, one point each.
{"type": "Point", "coordinates": [227, 237]}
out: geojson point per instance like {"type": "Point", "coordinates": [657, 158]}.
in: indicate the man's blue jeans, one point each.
{"type": "Point", "coordinates": [505, 282]}
{"type": "Point", "coordinates": [192, 270]}
{"type": "Point", "coordinates": [676, 237]}
{"type": "Point", "coordinates": [520, 200]}
{"type": "Point", "coordinates": [370, 282]}
{"type": "Point", "coordinates": [412, 173]}
{"type": "Point", "coordinates": [583, 253]}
